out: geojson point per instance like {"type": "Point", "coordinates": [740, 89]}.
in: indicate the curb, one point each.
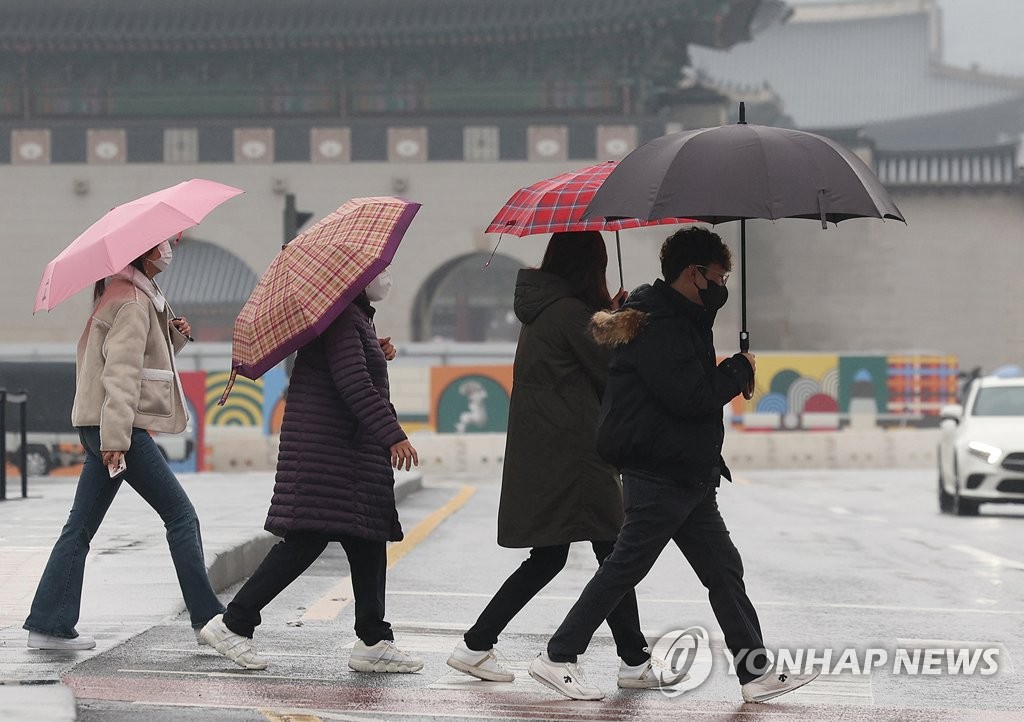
{"type": "Point", "coordinates": [233, 565]}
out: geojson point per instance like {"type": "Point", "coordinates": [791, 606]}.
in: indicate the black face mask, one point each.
{"type": "Point", "coordinates": [714, 296]}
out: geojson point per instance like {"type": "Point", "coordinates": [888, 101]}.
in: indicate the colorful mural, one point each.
{"type": "Point", "coordinates": [793, 392]}
{"type": "Point", "coordinates": [193, 383]}
{"type": "Point", "coordinates": [244, 406]}
{"type": "Point", "coordinates": [921, 385]}
{"type": "Point", "coordinates": [470, 399]}
{"type": "Point", "coordinates": [830, 391]}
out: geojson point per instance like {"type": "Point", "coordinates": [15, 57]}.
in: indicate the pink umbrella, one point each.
{"type": "Point", "coordinates": [124, 234]}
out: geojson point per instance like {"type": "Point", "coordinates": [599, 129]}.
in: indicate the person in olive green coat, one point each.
{"type": "Point", "coordinates": [555, 489]}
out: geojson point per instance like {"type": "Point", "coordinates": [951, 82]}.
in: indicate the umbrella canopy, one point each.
{"type": "Point", "coordinates": [741, 171]}
{"type": "Point", "coordinates": [124, 234]}
{"type": "Point", "coordinates": [556, 204]}
{"type": "Point", "coordinates": [314, 278]}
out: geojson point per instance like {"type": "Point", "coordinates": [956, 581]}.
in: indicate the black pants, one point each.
{"type": "Point", "coordinates": [534, 574]}
{"type": "Point", "coordinates": [367, 561]}
{"type": "Point", "coordinates": [657, 511]}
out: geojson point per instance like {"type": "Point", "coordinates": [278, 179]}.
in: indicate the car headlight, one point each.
{"type": "Point", "coordinates": [986, 452]}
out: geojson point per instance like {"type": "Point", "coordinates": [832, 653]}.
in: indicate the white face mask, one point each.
{"type": "Point", "coordinates": [379, 288]}
{"type": "Point", "coordinates": [164, 260]}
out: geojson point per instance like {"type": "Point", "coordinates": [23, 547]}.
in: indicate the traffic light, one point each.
{"type": "Point", "coordinates": [293, 219]}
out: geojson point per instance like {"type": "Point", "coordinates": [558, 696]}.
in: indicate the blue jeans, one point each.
{"type": "Point", "coordinates": [58, 598]}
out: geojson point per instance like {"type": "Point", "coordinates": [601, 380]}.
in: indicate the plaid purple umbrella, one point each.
{"type": "Point", "coordinates": [313, 279]}
{"type": "Point", "coordinates": [556, 204]}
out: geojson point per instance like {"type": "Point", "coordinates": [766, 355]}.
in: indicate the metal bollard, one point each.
{"type": "Point", "coordinates": [21, 398]}
{"type": "Point", "coordinates": [3, 444]}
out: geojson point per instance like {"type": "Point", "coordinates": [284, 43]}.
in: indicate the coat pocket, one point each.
{"type": "Point", "coordinates": [156, 397]}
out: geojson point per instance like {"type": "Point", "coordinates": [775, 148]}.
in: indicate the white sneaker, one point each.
{"type": "Point", "coordinates": [199, 637]}
{"type": "Point", "coordinates": [235, 647]}
{"type": "Point", "coordinates": [384, 656]}
{"type": "Point", "coordinates": [564, 677]}
{"type": "Point", "coordinates": [38, 640]}
{"type": "Point", "coordinates": [771, 685]}
{"type": "Point", "coordinates": [482, 665]}
{"type": "Point", "coordinates": [652, 674]}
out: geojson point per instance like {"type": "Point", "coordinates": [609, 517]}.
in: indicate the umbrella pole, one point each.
{"type": "Point", "coordinates": [744, 334]}
{"type": "Point", "coordinates": [748, 392]}
{"type": "Point", "coordinates": [618, 250]}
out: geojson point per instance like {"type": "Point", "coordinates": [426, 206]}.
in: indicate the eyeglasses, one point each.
{"type": "Point", "coordinates": [723, 278]}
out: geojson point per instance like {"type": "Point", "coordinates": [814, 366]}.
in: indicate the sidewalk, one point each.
{"type": "Point", "coordinates": [130, 584]}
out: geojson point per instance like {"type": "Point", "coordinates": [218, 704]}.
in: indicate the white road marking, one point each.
{"type": "Point", "coordinates": [839, 510]}
{"type": "Point", "coordinates": [993, 560]}
{"type": "Point", "coordinates": [248, 674]}
{"type": "Point", "coordinates": [801, 605]}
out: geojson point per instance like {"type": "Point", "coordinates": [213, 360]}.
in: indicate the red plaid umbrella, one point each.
{"type": "Point", "coordinates": [556, 204]}
{"type": "Point", "coordinates": [313, 279]}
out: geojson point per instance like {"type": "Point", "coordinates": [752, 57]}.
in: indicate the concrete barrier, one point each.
{"type": "Point", "coordinates": [877, 448]}
{"type": "Point", "coordinates": [235, 449]}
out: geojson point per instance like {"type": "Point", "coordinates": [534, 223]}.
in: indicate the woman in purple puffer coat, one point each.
{"type": "Point", "coordinates": [340, 439]}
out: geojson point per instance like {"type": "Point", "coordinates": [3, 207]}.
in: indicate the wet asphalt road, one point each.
{"type": "Point", "coordinates": [834, 559]}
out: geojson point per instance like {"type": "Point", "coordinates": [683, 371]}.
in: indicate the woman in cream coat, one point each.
{"type": "Point", "coordinates": [127, 386]}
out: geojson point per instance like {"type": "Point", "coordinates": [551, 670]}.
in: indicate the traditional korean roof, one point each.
{"type": "Point", "coordinates": [855, 64]}
{"type": "Point", "coordinates": [204, 274]}
{"type": "Point", "coordinates": [28, 26]}
{"type": "Point", "coordinates": [975, 127]}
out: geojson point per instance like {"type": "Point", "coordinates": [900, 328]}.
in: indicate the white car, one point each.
{"type": "Point", "coordinates": [981, 451]}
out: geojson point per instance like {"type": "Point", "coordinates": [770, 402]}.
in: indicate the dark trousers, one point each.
{"type": "Point", "coordinates": [534, 574]}
{"type": "Point", "coordinates": [367, 561]}
{"type": "Point", "coordinates": [659, 510]}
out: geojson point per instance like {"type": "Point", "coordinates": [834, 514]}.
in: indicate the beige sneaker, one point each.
{"type": "Point", "coordinates": [773, 684]}
{"type": "Point", "coordinates": [384, 656]}
{"type": "Point", "coordinates": [235, 647]}
{"type": "Point", "coordinates": [482, 665]}
{"type": "Point", "coordinates": [564, 677]}
{"type": "Point", "coordinates": [652, 674]}
{"type": "Point", "coordinates": [38, 640]}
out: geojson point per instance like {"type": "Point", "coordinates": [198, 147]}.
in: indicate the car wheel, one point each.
{"type": "Point", "coordinates": [961, 506]}
{"type": "Point", "coordinates": [945, 498]}
{"type": "Point", "coordinates": [37, 461]}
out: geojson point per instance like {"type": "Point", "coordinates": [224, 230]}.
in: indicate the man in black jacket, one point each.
{"type": "Point", "coordinates": [661, 424]}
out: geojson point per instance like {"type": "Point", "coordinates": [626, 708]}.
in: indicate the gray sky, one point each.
{"type": "Point", "coordinates": [986, 32]}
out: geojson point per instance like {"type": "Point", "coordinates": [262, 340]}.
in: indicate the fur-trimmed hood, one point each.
{"type": "Point", "coordinates": [617, 328]}
{"type": "Point", "coordinates": [646, 304]}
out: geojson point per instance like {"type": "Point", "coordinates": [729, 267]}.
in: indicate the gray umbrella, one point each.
{"type": "Point", "coordinates": [735, 172]}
